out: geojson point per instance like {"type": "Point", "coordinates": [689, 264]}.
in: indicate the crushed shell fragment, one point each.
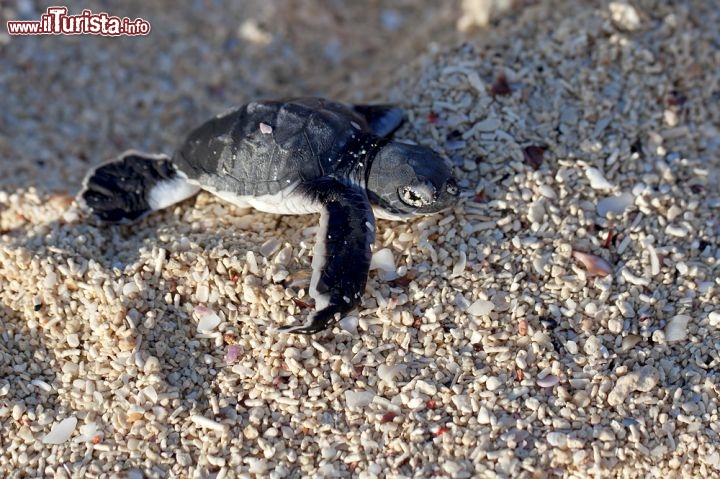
{"type": "Point", "coordinates": [61, 431]}
{"type": "Point", "coordinates": [593, 264]}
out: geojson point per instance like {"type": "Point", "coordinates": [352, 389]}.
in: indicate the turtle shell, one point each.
{"type": "Point", "coordinates": [264, 147]}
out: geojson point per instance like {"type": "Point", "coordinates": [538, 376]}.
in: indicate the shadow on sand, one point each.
{"type": "Point", "coordinates": [83, 254]}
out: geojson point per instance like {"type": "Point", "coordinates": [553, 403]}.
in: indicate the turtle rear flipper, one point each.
{"type": "Point", "coordinates": [341, 258]}
{"type": "Point", "coordinates": [133, 185]}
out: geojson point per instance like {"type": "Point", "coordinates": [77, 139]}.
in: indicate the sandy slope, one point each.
{"type": "Point", "coordinates": [497, 353]}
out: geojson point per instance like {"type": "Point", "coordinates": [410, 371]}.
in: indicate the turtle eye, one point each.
{"type": "Point", "coordinates": [451, 188]}
{"type": "Point", "coordinates": [417, 195]}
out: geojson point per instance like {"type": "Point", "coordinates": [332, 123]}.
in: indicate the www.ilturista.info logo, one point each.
{"type": "Point", "coordinates": [57, 22]}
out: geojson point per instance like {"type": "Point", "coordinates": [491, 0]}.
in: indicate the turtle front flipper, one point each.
{"type": "Point", "coordinates": [341, 257]}
{"type": "Point", "coordinates": [383, 120]}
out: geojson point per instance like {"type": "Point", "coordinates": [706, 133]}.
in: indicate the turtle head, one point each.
{"type": "Point", "coordinates": [407, 180]}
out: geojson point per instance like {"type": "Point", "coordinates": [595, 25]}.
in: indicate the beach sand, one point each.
{"type": "Point", "coordinates": [562, 321]}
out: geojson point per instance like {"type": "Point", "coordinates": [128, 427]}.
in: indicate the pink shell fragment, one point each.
{"type": "Point", "coordinates": [548, 381]}
{"type": "Point", "coordinates": [594, 264]}
{"type": "Point", "coordinates": [265, 129]}
{"type": "Point", "coordinates": [233, 354]}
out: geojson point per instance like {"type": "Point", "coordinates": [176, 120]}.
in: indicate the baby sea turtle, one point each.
{"type": "Point", "coordinates": [307, 155]}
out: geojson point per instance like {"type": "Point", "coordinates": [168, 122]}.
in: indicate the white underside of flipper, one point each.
{"type": "Point", "coordinates": [318, 263]}
{"type": "Point", "coordinates": [166, 193]}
